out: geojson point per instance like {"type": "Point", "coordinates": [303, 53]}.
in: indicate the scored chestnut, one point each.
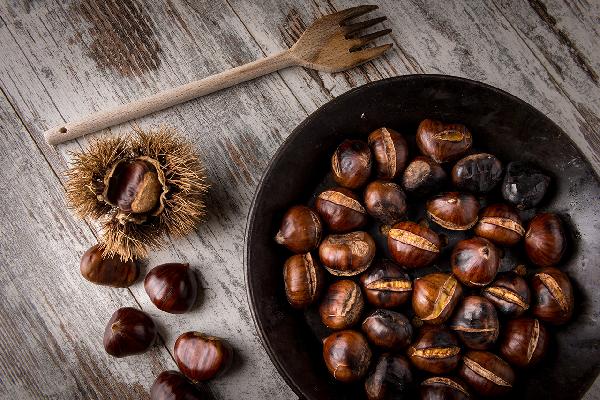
{"type": "Point", "coordinates": [304, 280]}
{"type": "Point", "coordinates": [436, 350]}
{"type": "Point", "coordinates": [201, 357]}
{"type": "Point", "coordinates": [524, 185]}
{"type": "Point", "coordinates": [525, 342]}
{"type": "Point", "coordinates": [385, 201]}
{"type": "Point", "coordinates": [351, 164]}
{"type": "Point", "coordinates": [129, 331]}
{"type": "Point", "coordinates": [443, 142]}
{"type": "Point", "coordinates": [423, 176]}
{"type": "Point", "coordinates": [453, 210]}
{"type": "Point", "coordinates": [412, 245]}
{"type": "Point", "coordinates": [347, 355]}
{"type": "Point", "coordinates": [390, 378]}
{"type": "Point", "coordinates": [545, 241]}
{"type": "Point", "coordinates": [386, 285]}
{"type": "Point", "coordinates": [300, 230]}
{"type": "Point", "coordinates": [509, 293]}
{"type": "Point", "coordinates": [342, 305]}
{"type": "Point", "coordinates": [108, 271]}
{"type": "Point", "coordinates": [347, 254]}
{"type": "Point", "coordinates": [172, 287]}
{"type": "Point", "coordinates": [173, 385]}
{"type": "Point", "coordinates": [387, 329]}
{"type": "Point", "coordinates": [390, 151]}
{"type": "Point", "coordinates": [501, 224]}
{"type": "Point", "coordinates": [553, 296]}
{"type": "Point", "coordinates": [444, 388]}
{"type": "Point", "coordinates": [476, 323]}
{"type": "Point", "coordinates": [435, 296]}
{"type": "Point", "coordinates": [341, 210]}
{"type": "Point", "coordinates": [475, 261]}
{"type": "Point", "coordinates": [477, 173]}
{"type": "Point", "coordinates": [486, 373]}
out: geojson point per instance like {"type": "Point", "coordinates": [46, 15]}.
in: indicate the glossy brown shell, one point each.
{"type": "Point", "coordinates": [412, 245]}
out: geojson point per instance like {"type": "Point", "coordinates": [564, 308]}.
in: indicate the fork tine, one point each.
{"type": "Point", "coordinates": [363, 25]}
{"type": "Point", "coordinates": [353, 12]}
{"type": "Point", "coordinates": [363, 40]}
{"type": "Point", "coordinates": [366, 55]}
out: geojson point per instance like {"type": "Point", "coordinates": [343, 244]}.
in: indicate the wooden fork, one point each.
{"type": "Point", "coordinates": [330, 44]}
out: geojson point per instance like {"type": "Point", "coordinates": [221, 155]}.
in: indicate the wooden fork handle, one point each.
{"type": "Point", "coordinates": [168, 98]}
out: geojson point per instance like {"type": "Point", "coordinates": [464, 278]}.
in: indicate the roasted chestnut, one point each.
{"type": "Point", "coordinates": [444, 388]}
{"type": "Point", "coordinates": [475, 261]}
{"type": "Point", "coordinates": [173, 385]}
{"type": "Point", "coordinates": [525, 342]}
{"type": "Point", "coordinates": [453, 210]}
{"type": "Point", "coordinates": [300, 230]}
{"type": "Point", "coordinates": [524, 185]}
{"type": "Point", "coordinates": [443, 142]}
{"type": "Point", "coordinates": [347, 355]}
{"type": "Point", "coordinates": [342, 305]}
{"type": "Point", "coordinates": [129, 331]}
{"type": "Point", "coordinates": [435, 296]}
{"type": "Point", "coordinates": [347, 254]}
{"type": "Point", "coordinates": [108, 271]}
{"type": "Point", "coordinates": [387, 329]}
{"type": "Point", "coordinates": [390, 378]}
{"type": "Point", "coordinates": [412, 245]}
{"type": "Point", "coordinates": [545, 241]}
{"type": "Point", "coordinates": [436, 350]}
{"type": "Point", "coordinates": [553, 296]}
{"type": "Point", "coordinates": [340, 209]}
{"type": "Point", "coordinates": [423, 176]}
{"type": "Point", "coordinates": [386, 285]}
{"type": "Point", "coordinates": [390, 151]}
{"type": "Point", "coordinates": [351, 164]}
{"type": "Point", "coordinates": [476, 323]}
{"type": "Point", "coordinates": [172, 287]}
{"type": "Point", "coordinates": [486, 373]}
{"type": "Point", "coordinates": [501, 224]}
{"type": "Point", "coordinates": [385, 201]}
{"type": "Point", "coordinates": [509, 293]}
{"type": "Point", "coordinates": [477, 173]}
{"type": "Point", "coordinates": [304, 280]}
{"type": "Point", "coordinates": [201, 357]}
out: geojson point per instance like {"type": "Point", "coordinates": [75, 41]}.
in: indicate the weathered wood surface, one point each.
{"type": "Point", "coordinates": [61, 60]}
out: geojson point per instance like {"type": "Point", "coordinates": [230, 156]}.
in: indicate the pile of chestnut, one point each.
{"type": "Point", "coordinates": [465, 328]}
{"type": "Point", "coordinates": [172, 288]}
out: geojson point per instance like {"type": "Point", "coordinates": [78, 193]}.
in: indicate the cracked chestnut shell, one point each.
{"type": "Point", "coordinates": [552, 296]}
{"type": "Point", "coordinates": [435, 296]}
{"type": "Point", "coordinates": [509, 293]}
{"type": "Point", "coordinates": [436, 350]}
{"type": "Point", "coordinates": [443, 142]}
{"type": "Point", "coordinates": [129, 331]}
{"type": "Point", "coordinates": [386, 285]}
{"type": "Point", "coordinates": [486, 373]}
{"type": "Point", "coordinates": [385, 201]}
{"type": "Point", "coordinates": [172, 287]}
{"type": "Point", "coordinates": [423, 176]}
{"type": "Point", "coordinates": [108, 271]}
{"type": "Point", "coordinates": [524, 185]}
{"type": "Point", "coordinates": [134, 185]}
{"type": "Point", "coordinates": [342, 305]}
{"type": "Point", "coordinates": [347, 254]}
{"type": "Point", "coordinates": [545, 241]}
{"type": "Point", "coordinates": [475, 261]}
{"type": "Point", "coordinates": [524, 342]}
{"type": "Point", "coordinates": [412, 245]}
{"type": "Point", "coordinates": [475, 322]}
{"type": "Point", "coordinates": [501, 224]}
{"type": "Point", "coordinates": [477, 173]}
{"type": "Point", "coordinates": [390, 151]}
{"type": "Point", "coordinates": [173, 385]}
{"type": "Point", "coordinates": [444, 388]}
{"type": "Point", "coordinates": [201, 357]}
{"type": "Point", "coordinates": [388, 329]}
{"type": "Point", "coordinates": [391, 377]}
{"type": "Point", "coordinates": [341, 210]}
{"type": "Point", "coordinates": [453, 210]}
{"type": "Point", "coordinates": [347, 355]}
{"type": "Point", "coordinates": [300, 230]}
{"type": "Point", "coordinates": [351, 164]}
{"type": "Point", "coordinates": [304, 280]}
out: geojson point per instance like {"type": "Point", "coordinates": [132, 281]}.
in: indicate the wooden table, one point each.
{"type": "Point", "coordinates": [60, 60]}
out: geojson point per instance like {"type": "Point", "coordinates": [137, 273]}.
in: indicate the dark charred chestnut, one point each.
{"type": "Point", "coordinates": [172, 287]}
{"type": "Point", "coordinates": [385, 201]}
{"type": "Point", "coordinates": [341, 210]}
{"type": "Point", "coordinates": [386, 285]}
{"type": "Point", "coordinates": [545, 241]}
{"type": "Point", "coordinates": [300, 230]}
{"type": "Point", "coordinates": [444, 388]}
{"type": "Point", "coordinates": [133, 186]}
{"type": "Point", "coordinates": [423, 176]}
{"type": "Point", "coordinates": [436, 350]}
{"type": "Point", "coordinates": [390, 151]}
{"type": "Point", "coordinates": [524, 185]}
{"type": "Point", "coordinates": [347, 254]}
{"type": "Point", "coordinates": [477, 173]}
{"type": "Point", "coordinates": [390, 378]}
{"type": "Point", "coordinates": [412, 245]}
{"type": "Point", "coordinates": [108, 271]}
{"type": "Point", "coordinates": [173, 385]}
{"type": "Point", "coordinates": [553, 296]}
{"type": "Point", "coordinates": [304, 280]}
{"type": "Point", "coordinates": [475, 261]}
{"type": "Point", "coordinates": [443, 142]}
{"type": "Point", "coordinates": [435, 296]}
{"type": "Point", "coordinates": [501, 224]}
{"type": "Point", "coordinates": [387, 329]}
{"type": "Point", "coordinates": [342, 305]}
{"type": "Point", "coordinates": [525, 342]}
{"type": "Point", "coordinates": [129, 331]}
{"type": "Point", "coordinates": [347, 355]}
{"type": "Point", "coordinates": [486, 373]}
{"type": "Point", "coordinates": [453, 210]}
{"type": "Point", "coordinates": [509, 293]}
{"type": "Point", "coordinates": [201, 357]}
{"type": "Point", "coordinates": [476, 323]}
{"type": "Point", "coordinates": [351, 164]}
